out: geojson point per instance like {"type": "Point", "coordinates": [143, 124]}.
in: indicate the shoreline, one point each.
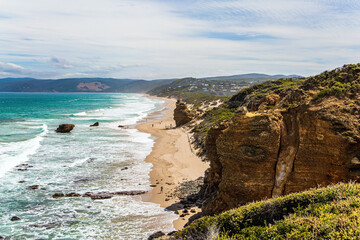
{"type": "Point", "coordinates": [172, 158]}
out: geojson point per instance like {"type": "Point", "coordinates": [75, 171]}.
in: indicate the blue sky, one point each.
{"type": "Point", "coordinates": [154, 39]}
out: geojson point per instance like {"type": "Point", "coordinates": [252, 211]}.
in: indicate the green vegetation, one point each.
{"type": "Point", "coordinates": [198, 98]}
{"type": "Point", "coordinates": [325, 213]}
{"type": "Point", "coordinates": [337, 82]}
{"type": "Point", "coordinates": [257, 92]}
{"type": "Point", "coordinates": [202, 86]}
{"type": "Point", "coordinates": [215, 115]}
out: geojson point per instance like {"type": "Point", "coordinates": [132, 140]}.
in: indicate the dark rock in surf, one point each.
{"type": "Point", "coordinates": [58, 195]}
{"type": "Point", "coordinates": [14, 218]}
{"type": "Point", "coordinates": [103, 195]}
{"type": "Point", "coordinates": [65, 128]}
{"type": "Point", "coordinates": [34, 187]}
{"type": "Point", "coordinates": [156, 235]}
{"type": "Point", "coordinates": [131, 193]}
{"type": "Point", "coordinates": [95, 124]}
{"type": "Point", "coordinates": [72, 194]}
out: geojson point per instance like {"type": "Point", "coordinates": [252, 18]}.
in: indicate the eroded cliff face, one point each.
{"type": "Point", "coordinates": [269, 152]}
{"type": "Point", "coordinates": [182, 114]}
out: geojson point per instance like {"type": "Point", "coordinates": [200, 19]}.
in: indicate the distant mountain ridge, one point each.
{"type": "Point", "coordinates": [112, 84]}
{"type": "Point", "coordinates": [79, 85]}
{"type": "Point", "coordinates": [251, 76]}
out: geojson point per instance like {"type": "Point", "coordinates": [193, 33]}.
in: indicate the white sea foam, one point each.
{"type": "Point", "coordinates": [89, 159]}
{"type": "Point", "coordinates": [13, 154]}
{"type": "Point", "coordinates": [78, 162]}
{"type": "Point", "coordinates": [80, 114]}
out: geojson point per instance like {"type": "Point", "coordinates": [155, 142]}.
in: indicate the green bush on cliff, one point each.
{"type": "Point", "coordinates": [261, 90]}
{"type": "Point", "coordinates": [337, 82]}
{"type": "Point", "coordinates": [325, 213]}
{"type": "Point", "coordinates": [211, 117]}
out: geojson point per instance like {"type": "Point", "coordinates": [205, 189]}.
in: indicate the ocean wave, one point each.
{"type": "Point", "coordinates": [15, 153]}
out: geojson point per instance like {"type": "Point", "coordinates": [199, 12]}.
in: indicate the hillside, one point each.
{"type": "Point", "coordinates": [79, 85]}
{"type": "Point", "coordinates": [325, 213]}
{"type": "Point", "coordinates": [253, 78]}
{"type": "Point", "coordinates": [220, 86]}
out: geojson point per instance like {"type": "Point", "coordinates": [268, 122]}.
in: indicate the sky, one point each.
{"type": "Point", "coordinates": [158, 39]}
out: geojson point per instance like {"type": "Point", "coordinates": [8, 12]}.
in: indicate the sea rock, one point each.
{"type": "Point", "coordinates": [98, 195]}
{"type": "Point", "coordinates": [262, 154]}
{"type": "Point", "coordinates": [58, 195]}
{"type": "Point", "coordinates": [182, 114]}
{"type": "Point", "coordinates": [95, 124]}
{"type": "Point", "coordinates": [101, 195]}
{"type": "Point", "coordinates": [72, 194]}
{"type": "Point", "coordinates": [156, 235]}
{"type": "Point", "coordinates": [131, 193]}
{"type": "Point", "coordinates": [34, 187]}
{"type": "Point", "coordinates": [65, 128]}
{"type": "Point", "coordinates": [14, 218]}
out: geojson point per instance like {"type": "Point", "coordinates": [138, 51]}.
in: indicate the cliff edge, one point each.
{"type": "Point", "coordinates": [286, 136]}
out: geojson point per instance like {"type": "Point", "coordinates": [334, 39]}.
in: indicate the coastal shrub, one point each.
{"type": "Point", "coordinates": [259, 91]}
{"type": "Point", "coordinates": [325, 213]}
{"type": "Point", "coordinates": [211, 117]}
{"type": "Point", "coordinates": [337, 82]}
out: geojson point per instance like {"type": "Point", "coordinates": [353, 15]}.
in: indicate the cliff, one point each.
{"type": "Point", "coordinates": [182, 114]}
{"type": "Point", "coordinates": [285, 136]}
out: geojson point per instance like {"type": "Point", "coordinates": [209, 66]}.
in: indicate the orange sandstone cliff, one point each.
{"type": "Point", "coordinates": [285, 136]}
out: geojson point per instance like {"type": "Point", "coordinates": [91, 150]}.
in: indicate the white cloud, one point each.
{"type": "Point", "coordinates": [161, 39]}
{"type": "Point", "coordinates": [14, 70]}
{"type": "Point", "coordinates": [59, 63]}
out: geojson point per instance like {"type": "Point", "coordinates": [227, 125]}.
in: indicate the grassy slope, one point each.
{"type": "Point", "coordinates": [325, 213]}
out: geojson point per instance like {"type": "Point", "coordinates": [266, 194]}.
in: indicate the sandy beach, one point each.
{"type": "Point", "coordinates": [172, 157]}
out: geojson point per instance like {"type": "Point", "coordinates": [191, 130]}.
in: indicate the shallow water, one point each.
{"type": "Point", "coordinates": [87, 159]}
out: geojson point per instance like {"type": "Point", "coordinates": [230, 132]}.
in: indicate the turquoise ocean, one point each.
{"type": "Point", "coordinates": [87, 159]}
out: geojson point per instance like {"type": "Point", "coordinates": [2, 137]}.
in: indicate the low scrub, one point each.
{"type": "Point", "coordinates": [325, 213]}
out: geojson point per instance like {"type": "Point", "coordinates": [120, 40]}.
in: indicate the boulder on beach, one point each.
{"type": "Point", "coordinates": [95, 124]}
{"type": "Point", "coordinates": [14, 218]}
{"type": "Point", "coordinates": [65, 128]}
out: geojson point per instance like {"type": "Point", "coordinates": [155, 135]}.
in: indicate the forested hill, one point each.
{"type": "Point", "coordinates": [221, 85]}
{"type": "Point", "coordinates": [79, 85]}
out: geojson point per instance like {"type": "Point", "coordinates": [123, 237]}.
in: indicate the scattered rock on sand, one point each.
{"type": "Point", "coordinates": [121, 126]}
{"type": "Point", "coordinates": [14, 218]}
{"type": "Point", "coordinates": [65, 128]}
{"type": "Point", "coordinates": [125, 168]}
{"type": "Point", "coordinates": [95, 124]}
{"type": "Point", "coordinates": [156, 235]}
